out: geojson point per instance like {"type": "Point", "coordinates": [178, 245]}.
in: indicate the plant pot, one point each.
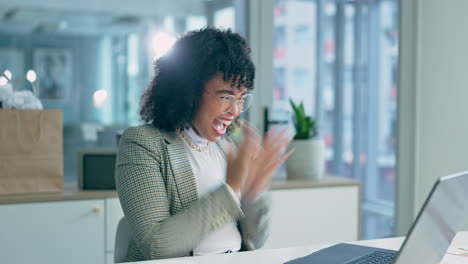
{"type": "Point", "coordinates": [308, 160]}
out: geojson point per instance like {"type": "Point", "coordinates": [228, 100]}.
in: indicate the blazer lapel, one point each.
{"type": "Point", "coordinates": [181, 169]}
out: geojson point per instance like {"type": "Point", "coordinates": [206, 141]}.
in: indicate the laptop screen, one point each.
{"type": "Point", "coordinates": [441, 217]}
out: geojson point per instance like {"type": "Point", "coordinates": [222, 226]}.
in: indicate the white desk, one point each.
{"type": "Point", "coordinates": [277, 256]}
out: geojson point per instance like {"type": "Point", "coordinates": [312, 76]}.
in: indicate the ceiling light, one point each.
{"type": "Point", "coordinates": [7, 74]}
{"type": "Point", "coordinates": [31, 76]}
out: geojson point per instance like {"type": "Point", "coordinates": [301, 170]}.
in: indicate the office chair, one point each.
{"type": "Point", "coordinates": [122, 239]}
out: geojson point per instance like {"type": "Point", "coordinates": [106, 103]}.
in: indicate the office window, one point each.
{"type": "Point", "coordinates": [195, 22]}
{"type": "Point", "coordinates": [340, 57]}
{"type": "Point", "coordinates": [294, 54]}
{"type": "Point", "coordinates": [225, 18]}
{"type": "Point", "coordinates": [303, 34]}
{"type": "Point", "coordinates": [278, 89]}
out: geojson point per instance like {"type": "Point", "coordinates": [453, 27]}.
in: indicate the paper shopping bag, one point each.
{"type": "Point", "coordinates": [31, 151]}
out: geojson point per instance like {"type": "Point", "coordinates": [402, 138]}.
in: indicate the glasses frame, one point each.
{"type": "Point", "coordinates": [237, 101]}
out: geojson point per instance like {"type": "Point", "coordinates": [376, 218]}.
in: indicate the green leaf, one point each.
{"type": "Point", "coordinates": [305, 125]}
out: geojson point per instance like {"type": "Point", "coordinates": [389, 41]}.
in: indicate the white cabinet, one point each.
{"type": "Point", "coordinates": [53, 232]}
{"type": "Point", "coordinates": [83, 231]}
{"type": "Point", "coordinates": [110, 258]}
{"type": "Point", "coordinates": [314, 215]}
{"type": "Point", "coordinates": [113, 214]}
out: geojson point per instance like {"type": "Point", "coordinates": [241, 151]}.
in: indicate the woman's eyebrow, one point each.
{"type": "Point", "coordinates": [229, 92]}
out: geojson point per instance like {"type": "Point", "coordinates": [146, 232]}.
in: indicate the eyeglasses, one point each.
{"type": "Point", "coordinates": [228, 101]}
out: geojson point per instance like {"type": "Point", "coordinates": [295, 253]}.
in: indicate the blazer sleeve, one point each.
{"type": "Point", "coordinates": [142, 194]}
{"type": "Point", "coordinates": [255, 226]}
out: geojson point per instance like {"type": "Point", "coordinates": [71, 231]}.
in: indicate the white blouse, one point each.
{"type": "Point", "coordinates": [209, 168]}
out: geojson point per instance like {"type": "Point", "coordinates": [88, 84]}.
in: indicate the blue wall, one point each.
{"type": "Point", "coordinates": [86, 67]}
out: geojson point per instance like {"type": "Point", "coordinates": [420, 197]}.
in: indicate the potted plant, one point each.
{"type": "Point", "coordinates": [307, 161]}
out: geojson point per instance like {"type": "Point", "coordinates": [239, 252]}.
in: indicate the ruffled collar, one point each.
{"type": "Point", "coordinates": [195, 138]}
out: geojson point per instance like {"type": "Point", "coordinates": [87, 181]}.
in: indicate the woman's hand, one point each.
{"type": "Point", "coordinates": [267, 161]}
{"type": "Point", "coordinates": [239, 165]}
{"type": "Point", "coordinates": [256, 162]}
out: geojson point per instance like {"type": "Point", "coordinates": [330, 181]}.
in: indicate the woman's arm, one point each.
{"type": "Point", "coordinates": [256, 206]}
{"type": "Point", "coordinates": [256, 224]}
{"type": "Point", "coordinates": [143, 196]}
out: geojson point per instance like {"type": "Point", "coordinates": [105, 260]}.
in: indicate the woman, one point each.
{"type": "Point", "coordinates": [183, 188]}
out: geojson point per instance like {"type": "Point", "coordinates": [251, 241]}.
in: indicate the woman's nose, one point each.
{"type": "Point", "coordinates": [235, 109]}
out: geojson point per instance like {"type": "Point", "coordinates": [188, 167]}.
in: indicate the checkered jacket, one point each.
{"type": "Point", "coordinates": [158, 194]}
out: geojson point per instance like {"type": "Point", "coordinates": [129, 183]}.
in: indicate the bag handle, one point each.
{"type": "Point", "coordinates": [18, 127]}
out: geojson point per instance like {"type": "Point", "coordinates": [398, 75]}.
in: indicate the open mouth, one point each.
{"type": "Point", "coordinates": [220, 126]}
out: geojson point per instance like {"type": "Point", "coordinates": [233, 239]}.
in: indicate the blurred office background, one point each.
{"type": "Point", "coordinates": [340, 57]}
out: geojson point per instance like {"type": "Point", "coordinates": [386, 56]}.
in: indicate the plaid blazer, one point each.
{"type": "Point", "coordinates": [158, 194]}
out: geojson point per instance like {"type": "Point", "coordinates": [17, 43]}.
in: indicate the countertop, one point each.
{"type": "Point", "coordinates": [72, 192]}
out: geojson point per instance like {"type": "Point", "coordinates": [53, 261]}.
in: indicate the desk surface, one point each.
{"type": "Point", "coordinates": [276, 256]}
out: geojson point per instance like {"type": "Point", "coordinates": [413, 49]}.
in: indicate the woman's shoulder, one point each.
{"type": "Point", "coordinates": [141, 137]}
{"type": "Point", "coordinates": [146, 132]}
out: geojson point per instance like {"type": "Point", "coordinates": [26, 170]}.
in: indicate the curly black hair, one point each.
{"type": "Point", "coordinates": [173, 96]}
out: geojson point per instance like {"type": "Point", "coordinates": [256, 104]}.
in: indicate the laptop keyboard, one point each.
{"type": "Point", "coordinates": [376, 257]}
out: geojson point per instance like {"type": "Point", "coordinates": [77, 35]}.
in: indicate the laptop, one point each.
{"type": "Point", "coordinates": [429, 237]}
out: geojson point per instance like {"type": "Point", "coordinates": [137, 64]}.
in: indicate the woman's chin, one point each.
{"type": "Point", "coordinates": [215, 136]}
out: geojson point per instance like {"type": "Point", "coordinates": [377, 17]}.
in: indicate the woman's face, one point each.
{"type": "Point", "coordinates": [211, 121]}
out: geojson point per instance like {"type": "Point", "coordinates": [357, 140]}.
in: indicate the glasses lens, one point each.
{"type": "Point", "coordinates": [245, 103]}
{"type": "Point", "coordinates": [227, 102]}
